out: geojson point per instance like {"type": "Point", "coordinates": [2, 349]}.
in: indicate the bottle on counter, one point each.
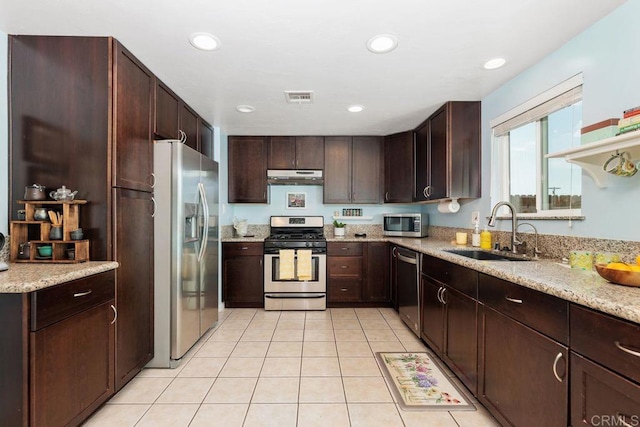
{"type": "Point", "coordinates": [475, 236]}
{"type": "Point", "coordinates": [485, 239]}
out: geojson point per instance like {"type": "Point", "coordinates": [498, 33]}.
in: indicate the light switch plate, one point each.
{"type": "Point", "coordinates": [475, 217]}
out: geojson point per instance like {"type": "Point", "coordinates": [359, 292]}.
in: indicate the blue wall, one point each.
{"type": "Point", "coordinates": [607, 55]}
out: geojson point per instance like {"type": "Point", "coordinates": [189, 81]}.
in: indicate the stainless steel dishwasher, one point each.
{"type": "Point", "coordinates": [408, 280]}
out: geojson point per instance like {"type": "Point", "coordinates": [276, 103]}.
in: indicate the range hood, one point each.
{"type": "Point", "coordinates": [294, 177]}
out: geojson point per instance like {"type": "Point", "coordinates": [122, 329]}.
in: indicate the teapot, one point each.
{"type": "Point", "coordinates": [241, 226]}
{"type": "Point", "coordinates": [24, 250]}
{"type": "Point", "coordinates": [34, 192]}
{"type": "Point", "coordinates": [63, 194]}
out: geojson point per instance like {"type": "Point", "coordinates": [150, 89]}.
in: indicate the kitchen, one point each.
{"type": "Point", "coordinates": [599, 52]}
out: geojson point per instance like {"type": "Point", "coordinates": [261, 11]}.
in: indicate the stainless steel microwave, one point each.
{"type": "Point", "coordinates": [405, 224]}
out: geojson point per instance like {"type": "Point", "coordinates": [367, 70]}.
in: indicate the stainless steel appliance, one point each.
{"type": "Point", "coordinates": [185, 250]}
{"type": "Point", "coordinates": [408, 282]}
{"type": "Point", "coordinates": [294, 293]}
{"type": "Point", "coordinates": [294, 177]}
{"type": "Point", "coordinates": [405, 224]}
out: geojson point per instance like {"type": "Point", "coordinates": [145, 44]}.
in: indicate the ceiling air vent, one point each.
{"type": "Point", "coordinates": [298, 96]}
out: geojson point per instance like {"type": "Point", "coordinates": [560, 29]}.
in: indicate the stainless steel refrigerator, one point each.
{"type": "Point", "coordinates": [185, 250]}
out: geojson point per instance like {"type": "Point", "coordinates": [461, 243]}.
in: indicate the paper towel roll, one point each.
{"type": "Point", "coordinates": [449, 207]}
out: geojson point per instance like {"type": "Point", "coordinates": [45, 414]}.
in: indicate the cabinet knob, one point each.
{"type": "Point", "coordinates": [155, 207]}
{"type": "Point", "coordinates": [244, 248]}
{"type": "Point", "coordinates": [386, 195]}
{"type": "Point", "coordinates": [153, 180]}
{"type": "Point", "coordinates": [555, 366]}
{"type": "Point", "coordinates": [343, 289]}
{"type": "Point", "coordinates": [115, 314]}
{"type": "Point", "coordinates": [344, 266]}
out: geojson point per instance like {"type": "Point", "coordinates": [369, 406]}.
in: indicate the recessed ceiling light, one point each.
{"type": "Point", "coordinates": [382, 43]}
{"type": "Point", "coordinates": [494, 63]}
{"type": "Point", "coordinates": [355, 108]}
{"type": "Point", "coordinates": [245, 109]}
{"type": "Point", "coordinates": [204, 41]}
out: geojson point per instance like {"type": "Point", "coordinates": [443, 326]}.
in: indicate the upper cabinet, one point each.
{"type": "Point", "coordinates": [206, 139]}
{"type": "Point", "coordinates": [248, 169]}
{"type": "Point", "coordinates": [398, 168]}
{"type": "Point", "coordinates": [352, 169]}
{"type": "Point", "coordinates": [296, 152]}
{"type": "Point", "coordinates": [448, 153]}
{"type": "Point", "coordinates": [189, 125]}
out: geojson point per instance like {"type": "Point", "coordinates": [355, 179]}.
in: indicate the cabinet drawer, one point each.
{"type": "Point", "coordinates": [540, 311]}
{"type": "Point", "coordinates": [456, 276]}
{"type": "Point", "coordinates": [344, 249]}
{"type": "Point", "coordinates": [248, 248]}
{"type": "Point", "coordinates": [53, 304]}
{"type": "Point", "coordinates": [344, 290]}
{"type": "Point", "coordinates": [345, 266]}
{"type": "Point", "coordinates": [609, 341]}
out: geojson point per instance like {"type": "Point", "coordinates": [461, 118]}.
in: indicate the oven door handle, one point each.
{"type": "Point", "coordinates": [291, 295]}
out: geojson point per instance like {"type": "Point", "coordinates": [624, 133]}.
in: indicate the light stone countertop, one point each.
{"type": "Point", "coordinates": [586, 288]}
{"type": "Point", "coordinates": [28, 277]}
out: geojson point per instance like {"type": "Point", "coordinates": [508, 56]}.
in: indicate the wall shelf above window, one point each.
{"type": "Point", "coordinates": [592, 157]}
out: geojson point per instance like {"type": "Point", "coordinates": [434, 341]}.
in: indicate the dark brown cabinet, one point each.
{"type": "Point", "coordinates": [398, 168]}
{"type": "Point", "coordinates": [189, 125]}
{"type": "Point", "coordinates": [344, 272]}
{"type": "Point", "coordinates": [167, 115]}
{"type": "Point", "coordinates": [248, 169]}
{"type": "Point", "coordinates": [447, 150]}
{"type": "Point", "coordinates": [605, 379]}
{"type": "Point", "coordinates": [57, 352]}
{"type": "Point", "coordinates": [376, 281]}
{"type": "Point", "coordinates": [133, 249]}
{"type": "Point", "coordinates": [296, 152]}
{"type": "Point", "coordinates": [352, 169]}
{"type": "Point", "coordinates": [206, 139]}
{"type": "Point", "coordinates": [242, 274]}
{"type": "Point", "coordinates": [523, 368]}
{"type": "Point", "coordinates": [133, 115]}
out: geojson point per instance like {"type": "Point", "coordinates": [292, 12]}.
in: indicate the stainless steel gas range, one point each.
{"type": "Point", "coordinates": [295, 264]}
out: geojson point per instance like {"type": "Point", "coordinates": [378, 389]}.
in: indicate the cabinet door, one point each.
{"type": "Point", "coordinates": [518, 371]}
{"type": "Point", "coordinates": [71, 367]}
{"type": "Point", "coordinates": [337, 169]}
{"type": "Point", "coordinates": [247, 169]}
{"type": "Point", "coordinates": [133, 249]}
{"type": "Point", "coordinates": [282, 152]}
{"type": "Point", "coordinates": [309, 152]}
{"type": "Point", "coordinates": [242, 280]}
{"type": "Point", "coordinates": [167, 112]}
{"type": "Point", "coordinates": [600, 397]}
{"type": "Point", "coordinates": [432, 314]}
{"type": "Point", "coordinates": [376, 283]}
{"type": "Point", "coordinates": [344, 290]}
{"type": "Point", "coordinates": [366, 180]}
{"type": "Point", "coordinates": [398, 167]}
{"type": "Point", "coordinates": [438, 185]}
{"type": "Point", "coordinates": [189, 125]}
{"type": "Point", "coordinates": [206, 139]}
{"type": "Point", "coordinates": [421, 162]}
{"type": "Point", "coordinates": [133, 122]}
{"type": "Point", "coordinates": [461, 345]}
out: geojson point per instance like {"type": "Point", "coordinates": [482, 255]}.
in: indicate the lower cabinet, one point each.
{"type": "Point", "coordinates": [242, 274]}
{"type": "Point", "coordinates": [57, 349]}
{"type": "Point", "coordinates": [376, 287]}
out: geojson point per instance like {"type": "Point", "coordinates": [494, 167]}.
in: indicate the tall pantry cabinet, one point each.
{"type": "Point", "coordinates": [81, 115]}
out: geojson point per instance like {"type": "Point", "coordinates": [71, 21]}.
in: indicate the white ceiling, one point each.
{"type": "Point", "coordinates": [269, 46]}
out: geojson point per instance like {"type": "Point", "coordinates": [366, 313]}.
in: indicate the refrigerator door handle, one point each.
{"type": "Point", "coordinates": [205, 209]}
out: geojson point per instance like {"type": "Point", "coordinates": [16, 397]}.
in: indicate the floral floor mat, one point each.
{"type": "Point", "coordinates": [419, 383]}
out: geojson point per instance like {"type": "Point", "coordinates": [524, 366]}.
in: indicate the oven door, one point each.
{"type": "Point", "coordinates": [318, 282]}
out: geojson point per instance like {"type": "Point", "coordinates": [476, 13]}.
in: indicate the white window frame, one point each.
{"type": "Point", "coordinates": [527, 112]}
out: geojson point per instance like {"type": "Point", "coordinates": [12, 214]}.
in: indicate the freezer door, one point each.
{"type": "Point", "coordinates": [210, 256]}
{"type": "Point", "coordinates": [186, 233]}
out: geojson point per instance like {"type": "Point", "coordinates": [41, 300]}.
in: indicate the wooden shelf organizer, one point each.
{"type": "Point", "coordinates": [37, 233]}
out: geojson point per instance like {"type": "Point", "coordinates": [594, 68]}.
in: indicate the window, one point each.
{"type": "Point", "coordinates": [535, 185]}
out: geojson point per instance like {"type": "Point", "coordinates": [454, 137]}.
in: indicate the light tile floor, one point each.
{"type": "Point", "coordinates": [284, 369]}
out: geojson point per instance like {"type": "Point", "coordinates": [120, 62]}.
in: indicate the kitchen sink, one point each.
{"type": "Point", "coordinates": [488, 256]}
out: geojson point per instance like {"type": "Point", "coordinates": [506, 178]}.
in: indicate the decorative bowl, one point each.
{"type": "Point", "coordinates": [45, 250]}
{"type": "Point", "coordinates": [620, 277]}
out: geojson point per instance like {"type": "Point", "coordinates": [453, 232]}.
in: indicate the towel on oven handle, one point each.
{"type": "Point", "coordinates": [304, 264]}
{"type": "Point", "coordinates": [287, 259]}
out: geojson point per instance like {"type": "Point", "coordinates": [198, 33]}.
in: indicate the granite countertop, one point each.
{"type": "Point", "coordinates": [549, 276]}
{"type": "Point", "coordinates": [27, 277]}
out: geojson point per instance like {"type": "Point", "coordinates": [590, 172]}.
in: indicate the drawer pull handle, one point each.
{"type": "Point", "coordinates": [344, 266]}
{"type": "Point", "coordinates": [82, 294]}
{"type": "Point", "coordinates": [343, 289]}
{"type": "Point", "coordinates": [344, 249]}
{"type": "Point", "coordinates": [627, 350]}
{"type": "Point", "coordinates": [555, 366]}
{"type": "Point", "coordinates": [115, 314]}
{"type": "Point", "coordinates": [244, 248]}
{"type": "Point", "coordinates": [517, 301]}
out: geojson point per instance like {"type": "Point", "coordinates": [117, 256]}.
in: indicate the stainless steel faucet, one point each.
{"type": "Point", "coordinates": [514, 223]}
{"type": "Point", "coordinates": [536, 252]}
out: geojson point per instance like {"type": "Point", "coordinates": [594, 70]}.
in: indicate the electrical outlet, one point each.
{"type": "Point", "coordinates": [475, 217]}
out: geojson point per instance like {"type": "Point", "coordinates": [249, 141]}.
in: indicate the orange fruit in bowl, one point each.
{"type": "Point", "coordinates": [619, 266]}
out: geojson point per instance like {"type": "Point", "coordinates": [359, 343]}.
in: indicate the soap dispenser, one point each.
{"type": "Point", "coordinates": [475, 236]}
{"type": "Point", "coordinates": [485, 239]}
